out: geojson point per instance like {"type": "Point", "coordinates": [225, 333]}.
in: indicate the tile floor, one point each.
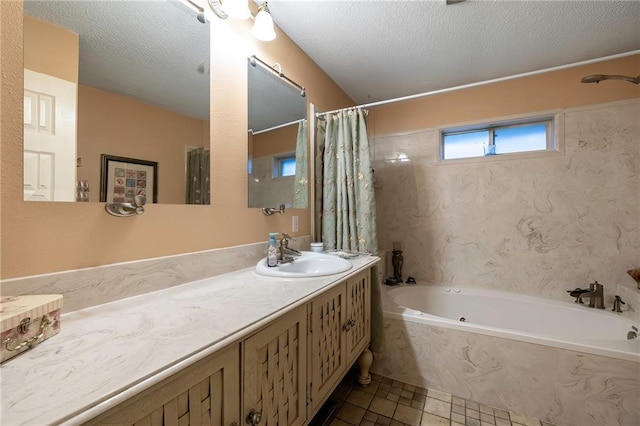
{"type": "Point", "coordinates": [387, 402]}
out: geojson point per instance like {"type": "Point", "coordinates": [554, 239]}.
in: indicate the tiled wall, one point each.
{"type": "Point", "coordinates": [88, 287]}
{"type": "Point", "coordinates": [555, 385]}
{"type": "Point", "coordinates": [264, 189]}
{"type": "Point", "coordinates": [536, 226]}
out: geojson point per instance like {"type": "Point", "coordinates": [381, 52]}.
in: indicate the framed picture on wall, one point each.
{"type": "Point", "coordinates": [123, 178]}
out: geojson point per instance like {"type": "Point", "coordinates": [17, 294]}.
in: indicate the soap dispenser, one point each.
{"type": "Point", "coordinates": [272, 250]}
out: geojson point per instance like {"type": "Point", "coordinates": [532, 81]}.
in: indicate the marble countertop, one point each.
{"type": "Point", "coordinates": [105, 354]}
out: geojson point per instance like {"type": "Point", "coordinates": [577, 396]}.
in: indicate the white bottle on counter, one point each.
{"type": "Point", "coordinates": [272, 250]}
{"type": "Point", "coordinates": [317, 247]}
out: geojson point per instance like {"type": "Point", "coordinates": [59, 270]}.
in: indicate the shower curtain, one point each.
{"type": "Point", "coordinates": [198, 170]}
{"type": "Point", "coordinates": [301, 184]}
{"type": "Point", "coordinates": [348, 220]}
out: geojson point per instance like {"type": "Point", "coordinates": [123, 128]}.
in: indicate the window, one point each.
{"type": "Point", "coordinates": [507, 137]}
{"type": "Point", "coordinates": [284, 166]}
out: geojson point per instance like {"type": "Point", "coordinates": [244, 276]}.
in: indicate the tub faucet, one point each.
{"type": "Point", "coordinates": [285, 253]}
{"type": "Point", "coordinates": [595, 295]}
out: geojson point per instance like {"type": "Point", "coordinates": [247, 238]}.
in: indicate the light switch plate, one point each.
{"type": "Point", "coordinates": [294, 223]}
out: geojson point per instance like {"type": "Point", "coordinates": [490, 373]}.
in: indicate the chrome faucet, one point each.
{"type": "Point", "coordinates": [595, 295]}
{"type": "Point", "coordinates": [285, 253]}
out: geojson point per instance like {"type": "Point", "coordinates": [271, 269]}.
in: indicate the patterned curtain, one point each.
{"type": "Point", "coordinates": [348, 200]}
{"type": "Point", "coordinates": [198, 170]}
{"type": "Point", "coordinates": [321, 132]}
{"type": "Point", "coordinates": [301, 184]}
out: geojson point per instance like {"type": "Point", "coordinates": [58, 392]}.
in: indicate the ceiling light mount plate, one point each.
{"type": "Point", "coordinates": [216, 7]}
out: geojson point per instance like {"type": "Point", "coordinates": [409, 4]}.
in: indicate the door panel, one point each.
{"type": "Point", "coordinates": [50, 115]}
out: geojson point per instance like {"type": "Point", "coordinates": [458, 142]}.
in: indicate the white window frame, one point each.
{"type": "Point", "coordinates": [277, 159]}
{"type": "Point", "coordinates": [555, 136]}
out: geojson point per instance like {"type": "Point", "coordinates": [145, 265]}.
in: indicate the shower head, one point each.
{"type": "Point", "coordinates": [597, 78]}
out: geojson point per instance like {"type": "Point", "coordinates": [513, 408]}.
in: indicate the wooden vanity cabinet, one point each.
{"type": "Point", "coordinates": [206, 393]}
{"type": "Point", "coordinates": [287, 369]}
{"type": "Point", "coordinates": [339, 330]}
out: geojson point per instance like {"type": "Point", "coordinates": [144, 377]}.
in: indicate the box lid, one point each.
{"type": "Point", "coordinates": [14, 309]}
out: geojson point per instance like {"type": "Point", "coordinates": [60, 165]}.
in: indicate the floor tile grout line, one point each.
{"type": "Point", "coordinates": [484, 413]}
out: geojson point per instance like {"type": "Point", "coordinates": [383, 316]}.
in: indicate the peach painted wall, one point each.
{"type": "Point", "coordinates": [50, 50]}
{"type": "Point", "coordinates": [38, 238]}
{"type": "Point", "coordinates": [552, 90]}
{"type": "Point", "coordinates": [116, 125]}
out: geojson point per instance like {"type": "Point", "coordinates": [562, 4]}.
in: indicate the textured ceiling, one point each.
{"type": "Point", "coordinates": [147, 50]}
{"type": "Point", "coordinates": [377, 50]}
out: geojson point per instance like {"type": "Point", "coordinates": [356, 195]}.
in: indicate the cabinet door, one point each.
{"type": "Point", "coordinates": [207, 393]}
{"type": "Point", "coordinates": [275, 374]}
{"type": "Point", "coordinates": [358, 303]}
{"type": "Point", "coordinates": [327, 354]}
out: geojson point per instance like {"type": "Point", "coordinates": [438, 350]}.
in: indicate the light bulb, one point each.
{"type": "Point", "coordinates": [236, 9]}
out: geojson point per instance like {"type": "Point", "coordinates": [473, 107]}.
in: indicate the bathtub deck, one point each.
{"type": "Point", "coordinates": [388, 402]}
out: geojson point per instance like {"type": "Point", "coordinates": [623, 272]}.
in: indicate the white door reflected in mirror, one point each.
{"type": "Point", "coordinates": [50, 111]}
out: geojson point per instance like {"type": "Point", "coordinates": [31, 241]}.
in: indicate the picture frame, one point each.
{"type": "Point", "coordinates": [122, 178]}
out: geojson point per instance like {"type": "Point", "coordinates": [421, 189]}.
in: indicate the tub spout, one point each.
{"type": "Point", "coordinates": [595, 295]}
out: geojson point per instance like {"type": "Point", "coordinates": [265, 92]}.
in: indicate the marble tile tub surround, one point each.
{"type": "Point", "coordinates": [88, 287]}
{"type": "Point", "coordinates": [554, 385]}
{"type": "Point", "coordinates": [108, 353]}
{"type": "Point", "coordinates": [536, 226]}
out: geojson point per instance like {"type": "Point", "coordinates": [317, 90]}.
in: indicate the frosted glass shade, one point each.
{"type": "Point", "coordinates": [263, 27]}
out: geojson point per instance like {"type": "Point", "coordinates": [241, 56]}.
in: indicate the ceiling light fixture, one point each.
{"type": "Point", "coordinates": [263, 25]}
{"type": "Point", "coordinates": [238, 9]}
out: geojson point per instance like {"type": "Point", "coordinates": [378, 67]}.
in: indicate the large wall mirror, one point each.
{"type": "Point", "coordinates": [117, 83]}
{"type": "Point", "coordinates": [278, 149]}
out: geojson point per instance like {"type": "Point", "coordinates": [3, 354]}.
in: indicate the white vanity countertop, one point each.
{"type": "Point", "coordinates": [105, 354]}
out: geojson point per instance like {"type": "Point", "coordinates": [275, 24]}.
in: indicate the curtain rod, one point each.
{"type": "Point", "coordinates": [277, 127]}
{"type": "Point", "coordinates": [482, 83]}
{"type": "Point", "coordinates": [253, 61]}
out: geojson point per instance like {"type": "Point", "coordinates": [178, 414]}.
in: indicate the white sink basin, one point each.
{"type": "Point", "coordinates": [310, 264]}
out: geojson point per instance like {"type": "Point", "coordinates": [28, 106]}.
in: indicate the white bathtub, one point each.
{"type": "Point", "coordinates": [548, 322]}
{"type": "Point", "coordinates": [560, 362]}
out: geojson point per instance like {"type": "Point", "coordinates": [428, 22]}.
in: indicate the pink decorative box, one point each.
{"type": "Point", "coordinates": [26, 321]}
